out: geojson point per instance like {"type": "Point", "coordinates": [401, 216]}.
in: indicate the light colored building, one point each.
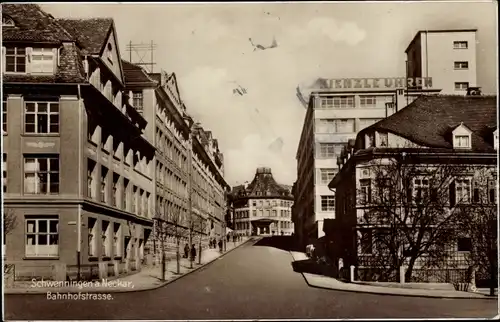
{"type": "Point", "coordinates": [158, 100]}
{"type": "Point", "coordinates": [337, 111]}
{"type": "Point", "coordinates": [78, 174]}
{"type": "Point", "coordinates": [436, 154]}
{"type": "Point", "coordinates": [448, 56]}
{"type": "Point", "coordinates": [262, 207]}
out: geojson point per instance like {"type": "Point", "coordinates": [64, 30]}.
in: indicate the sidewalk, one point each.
{"type": "Point", "coordinates": [321, 281]}
{"type": "Point", "coordinates": [147, 279]}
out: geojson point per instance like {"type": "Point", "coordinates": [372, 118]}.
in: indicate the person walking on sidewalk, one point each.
{"type": "Point", "coordinates": [193, 253]}
{"type": "Point", "coordinates": [220, 245]}
{"type": "Point", "coordinates": [186, 250]}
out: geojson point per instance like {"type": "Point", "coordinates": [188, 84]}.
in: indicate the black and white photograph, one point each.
{"type": "Point", "coordinates": [185, 161]}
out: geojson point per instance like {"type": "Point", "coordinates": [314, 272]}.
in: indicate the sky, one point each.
{"type": "Point", "coordinates": [208, 48]}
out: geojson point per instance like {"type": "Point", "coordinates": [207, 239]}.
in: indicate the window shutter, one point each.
{"type": "Point", "coordinates": [29, 52]}
{"type": "Point", "coordinates": [453, 197]}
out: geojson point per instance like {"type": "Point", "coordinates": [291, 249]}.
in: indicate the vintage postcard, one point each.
{"type": "Point", "coordinates": [249, 160]}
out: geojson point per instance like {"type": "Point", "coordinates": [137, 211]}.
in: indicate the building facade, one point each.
{"type": "Point", "coordinates": [438, 156]}
{"type": "Point", "coordinates": [448, 56]}
{"type": "Point", "coordinates": [334, 116]}
{"type": "Point", "coordinates": [80, 186]}
{"type": "Point", "coordinates": [184, 162]}
{"type": "Point", "coordinates": [262, 207]}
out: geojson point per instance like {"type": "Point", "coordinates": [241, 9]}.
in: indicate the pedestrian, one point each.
{"type": "Point", "coordinates": [227, 237]}
{"type": "Point", "coordinates": [193, 252]}
{"type": "Point", "coordinates": [186, 250]}
{"type": "Point", "coordinates": [220, 245]}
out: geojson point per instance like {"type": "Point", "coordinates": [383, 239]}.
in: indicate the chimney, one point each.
{"type": "Point", "coordinates": [389, 109]}
{"type": "Point", "coordinates": [400, 99]}
{"type": "Point", "coordinates": [474, 91]}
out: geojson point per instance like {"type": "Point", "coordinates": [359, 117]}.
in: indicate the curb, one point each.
{"type": "Point", "coordinates": [485, 297]}
{"type": "Point", "coordinates": [149, 288]}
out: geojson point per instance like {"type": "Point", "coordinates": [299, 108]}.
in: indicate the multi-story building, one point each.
{"type": "Point", "coordinates": [262, 207]}
{"type": "Point", "coordinates": [78, 172]}
{"type": "Point", "coordinates": [437, 156]}
{"type": "Point", "coordinates": [158, 100]}
{"type": "Point", "coordinates": [448, 56]}
{"type": "Point", "coordinates": [333, 117]}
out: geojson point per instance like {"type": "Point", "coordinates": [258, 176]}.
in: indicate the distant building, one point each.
{"type": "Point", "coordinates": [433, 131]}
{"type": "Point", "coordinates": [448, 56]}
{"type": "Point", "coordinates": [262, 207]}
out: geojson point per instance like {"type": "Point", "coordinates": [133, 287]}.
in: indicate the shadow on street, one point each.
{"type": "Point", "coordinates": [312, 267]}
{"type": "Point", "coordinates": [286, 243]}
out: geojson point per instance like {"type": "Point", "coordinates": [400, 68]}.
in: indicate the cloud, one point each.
{"type": "Point", "coordinates": [320, 27]}
{"type": "Point", "coordinates": [241, 162]}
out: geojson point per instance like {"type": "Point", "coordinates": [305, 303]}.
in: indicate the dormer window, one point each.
{"type": "Point", "coordinates": [462, 141]}
{"type": "Point", "coordinates": [369, 140]}
{"type": "Point", "coordinates": [462, 137]}
{"type": "Point", "coordinates": [7, 21]}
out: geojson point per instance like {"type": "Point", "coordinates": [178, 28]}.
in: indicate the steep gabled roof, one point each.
{"type": "Point", "coordinates": [262, 185]}
{"type": "Point", "coordinates": [32, 24]}
{"type": "Point", "coordinates": [91, 34]}
{"type": "Point", "coordinates": [429, 120]}
{"type": "Point", "coordinates": [135, 74]}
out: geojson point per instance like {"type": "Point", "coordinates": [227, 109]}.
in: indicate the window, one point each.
{"type": "Point", "coordinates": [327, 150]}
{"type": "Point", "coordinates": [103, 192]}
{"type": "Point", "coordinates": [15, 60]}
{"type": "Point", "coordinates": [461, 86]}
{"type": "Point", "coordinates": [274, 213]}
{"type": "Point", "coordinates": [492, 191]}
{"type": "Point", "coordinates": [337, 102]}
{"type": "Point", "coordinates": [335, 126]}
{"type": "Point", "coordinates": [462, 141]}
{"type": "Point", "coordinates": [365, 191]}
{"type": "Point", "coordinates": [90, 178]}
{"type": "Point", "coordinates": [460, 45]}
{"type": "Point", "coordinates": [41, 117]}
{"type": "Point", "coordinates": [41, 175]}
{"type": "Point", "coordinates": [368, 101]}
{"type": "Point", "coordinates": [91, 236]}
{"type": "Point", "coordinates": [464, 244]}
{"type": "Point", "coordinates": [421, 189]}
{"type": "Point", "coordinates": [327, 203]}
{"type": "Point", "coordinates": [370, 140]}
{"type": "Point", "coordinates": [109, 53]}
{"type": "Point", "coordinates": [4, 117]}
{"type": "Point", "coordinates": [461, 65]}
{"type": "Point", "coordinates": [463, 190]}
{"type": "Point", "coordinates": [42, 236]}
{"type": "Point", "coordinates": [363, 123]}
{"type": "Point", "coordinates": [365, 241]}
{"type": "Point", "coordinates": [4, 172]}
{"type": "Point", "coordinates": [384, 139]}
{"type": "Point", "coordinates": [42, 61]}
{"type": "Point", "coordinates": [327, 175]}
{"type": "Point", "coordinates": [384, 189]}
{"type": "Point", "coordinates": [105, 239]}
{"type": "Point", "coordinates": [137, 100]}
{"type": "Point", "coordinates": [254, 213]}
{"type": "Point", "coordinates": [117, 240]}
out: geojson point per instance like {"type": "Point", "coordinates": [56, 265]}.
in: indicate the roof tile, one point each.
{"type": "Point", "coordinates": [90, 33]}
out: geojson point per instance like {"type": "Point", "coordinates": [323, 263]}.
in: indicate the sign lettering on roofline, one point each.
{"type": "Point", "coordinates": [391, 82]}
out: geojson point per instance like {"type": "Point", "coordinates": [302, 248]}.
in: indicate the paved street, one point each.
{"type": "Point", "coordinates": [250, 282]}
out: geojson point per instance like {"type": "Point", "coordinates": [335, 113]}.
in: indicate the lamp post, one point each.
{"type": "Point", "coordinates": [190, 124]}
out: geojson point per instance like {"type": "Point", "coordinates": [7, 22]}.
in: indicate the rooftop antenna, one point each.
{"type": "Point", "coordinates": [138, 54]}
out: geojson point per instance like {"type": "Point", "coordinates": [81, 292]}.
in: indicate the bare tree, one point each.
{"type": "Point", "coordinates": [168, 224]}
{"type": "Point", "coordinates": [201, 229]}
{"type": "Point", "coordinates": [409, 206]}
{"type": "Point", "coordinates": [9, 222]}
{"type": "Point", "coordinates": [478, 224]}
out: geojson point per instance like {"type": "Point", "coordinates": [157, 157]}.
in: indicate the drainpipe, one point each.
{"type": "Point", "coordinates": [80, 197]}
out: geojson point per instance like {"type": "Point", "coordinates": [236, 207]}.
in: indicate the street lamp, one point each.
{"type": "Point", "coordinates": [190, 124]}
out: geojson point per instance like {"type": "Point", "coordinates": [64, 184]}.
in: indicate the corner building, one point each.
{"type": "Point", "coordinates": [262, 207]}
{"type": "Point", "coordinates": [78, 172]}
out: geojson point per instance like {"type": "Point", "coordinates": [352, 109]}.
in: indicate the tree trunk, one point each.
{"type": "Point", "coordinates": [190, 244]}
{"type": "Point", "coordinates": [409, 270]}
{"type": "Point", "coordinates": [178, 256]}
{"type": "Point", "coordinates": [199, 250]}
{"type": "Point", "coordinates": [163, 268]}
